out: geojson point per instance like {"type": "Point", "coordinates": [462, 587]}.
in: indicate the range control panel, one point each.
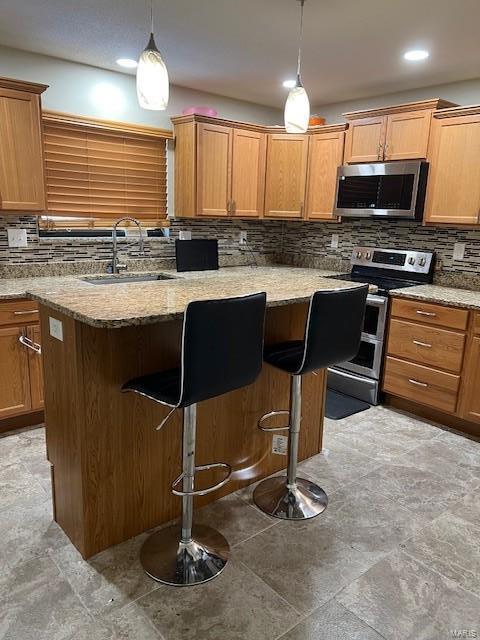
{"type": "Point", "coordinates": [400, 260]}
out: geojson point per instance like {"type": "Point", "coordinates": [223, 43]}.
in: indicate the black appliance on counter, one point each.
{"type": "Point", "coordinates": [196, 255]}
{"type": "Point", "coordinates": [388, 269]}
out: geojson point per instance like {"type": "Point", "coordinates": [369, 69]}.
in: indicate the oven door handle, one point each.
{"type": "Point", "coordinates": [376, 301]}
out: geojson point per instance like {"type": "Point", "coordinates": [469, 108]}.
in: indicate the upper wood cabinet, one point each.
{"type": "Point", "coordinates": [22, 183]}
{"type": "Point", "coordinates": [453, 193]}
{"type": "Point", "coordinates": [325, 153]}
{"type": "Point", "coordinates": [248, 173]}
{"type": "Point", "coordinates": [219, 168]}
{"type": "Point", "coordinates": [286, 175]}
{"type": "Point", "coordinates": [214, 148]}
{"type": "Point", "coordinates": [392, 133]}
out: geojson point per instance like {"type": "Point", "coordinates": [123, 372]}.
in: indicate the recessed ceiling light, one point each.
{"type": "Point", "coordinates": [127, 62]}
{"type": "Point", "coordinates": [289, 84]}
{"type": "Point", "coordinates": [416, 54]}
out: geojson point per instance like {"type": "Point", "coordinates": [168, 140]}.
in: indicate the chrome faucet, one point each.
{"type": "Point", "coordinates": [114, 266]}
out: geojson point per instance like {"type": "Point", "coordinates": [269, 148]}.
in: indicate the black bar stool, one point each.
{"type": "Point", "coordinates": [222, 348]}
{"type": "Point", "coordinates": [332, 335]}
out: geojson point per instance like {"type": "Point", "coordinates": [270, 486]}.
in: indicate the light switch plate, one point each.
{"type": "Point", "coordinates": [56, 328]}
{"type": "Point", "coordinates": [459, 250]}
{"type": "Point", "coordinates": [280, 445]}
{"type": "Point", "coordinates": [17, 237]}
{"type": "Point", "coordinates": [334, 242]}
{"type": "Point", "coordinates": [185, 235]}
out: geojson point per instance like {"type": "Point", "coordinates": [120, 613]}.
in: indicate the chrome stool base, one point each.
{"type": "Point", "coordinates": [306, 500]}
{"type": "Point", "coordinates": [167, 560]}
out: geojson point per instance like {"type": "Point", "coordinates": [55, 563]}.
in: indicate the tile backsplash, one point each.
{"type": "Point", "coordinates": [298, 243]}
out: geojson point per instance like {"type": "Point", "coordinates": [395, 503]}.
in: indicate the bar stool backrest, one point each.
{"type": "Point", "coordinates": [222, 346]}
{"type": "Point", "coordinates": [334, 327]}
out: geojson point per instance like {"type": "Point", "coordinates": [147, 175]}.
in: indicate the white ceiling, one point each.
{"type": "Point", "coordinates": [245, 48]}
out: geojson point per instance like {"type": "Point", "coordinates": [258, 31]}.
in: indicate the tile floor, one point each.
{"type": "Point", "coordinates": [395, 556]}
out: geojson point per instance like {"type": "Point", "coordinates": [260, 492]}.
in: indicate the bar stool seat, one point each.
{"type": "Point", "coordinates": [222, 346]}
{"type": "Point", "coordinates": [163, 386]}
{"type": "Point", "coordinates": [332, 335]}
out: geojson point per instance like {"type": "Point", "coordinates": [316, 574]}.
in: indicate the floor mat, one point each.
{"type": "Point", "coordinates": [340, 406]}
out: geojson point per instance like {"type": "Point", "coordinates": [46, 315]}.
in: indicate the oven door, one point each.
{"type": "Point", "coordinates": [368, 361]}
{"type": "Point", "coordinates": [375, 317]}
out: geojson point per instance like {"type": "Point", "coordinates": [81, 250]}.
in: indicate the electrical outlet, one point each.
{"type": "Point", "coordinates": [459, 250]}
{"type": "Point", "coordinates": [243, 237]}
{"type": "Point", "coordinates": [56, 328]}
{"type": "Point", "coordinates": [334, 241]}
{"type": "Point", "coordinates": [280, 445]}
{"type": "Point", "coordinates": [17, 237]}
{"type": "Point", "coordinates": [185, 235]}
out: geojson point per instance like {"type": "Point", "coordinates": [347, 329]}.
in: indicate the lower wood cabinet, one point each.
{"type": "Point", "coordinates": [21, 390]}
{"type": "Point", "coordinates": [433, 357]}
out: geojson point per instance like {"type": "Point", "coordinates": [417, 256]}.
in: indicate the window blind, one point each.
{"type": "Point", "coordinates": [101, 173]}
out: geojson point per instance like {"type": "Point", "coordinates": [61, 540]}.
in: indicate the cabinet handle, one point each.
{"type": "Point", "coordinates": [30, 344]}
{"type": "Point", "coordinates": [416, 382]}
{"type": "Point", "coordinates": [234, 206]}
{"type": "Point", "coordinates": [24, 313]}
{"type": "Point", "coordinates": [430, 314]}
{"type": "Point", "coordinates": [379, 151]}
{"type": "Point", "coordinates": [301, 209]}
{"type": "Point", "coordinates": [228, 207]}
{"type": "Point", "coordinates": [422, 344]}
{"type": "Point", "coordinates": [385, 150]}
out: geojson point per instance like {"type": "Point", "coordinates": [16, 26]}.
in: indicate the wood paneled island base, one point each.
{"type": "Point", "coordinates": [111, 469]}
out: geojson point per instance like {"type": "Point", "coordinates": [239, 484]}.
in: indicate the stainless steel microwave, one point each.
{"type": "Point", "coordinates": [383, 189]}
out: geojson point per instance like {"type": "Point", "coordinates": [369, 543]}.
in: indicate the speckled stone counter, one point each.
{"type": "Point", "coordinates": [139, 303]}
{"type": "Point", "coordinates": [443, 295]}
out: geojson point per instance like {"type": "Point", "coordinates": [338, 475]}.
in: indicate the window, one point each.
{"type": "Point", "coordinates": [97, 171]}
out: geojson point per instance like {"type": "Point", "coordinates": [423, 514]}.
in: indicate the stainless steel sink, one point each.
{"type": "Point", "coordinates": [125, 279]}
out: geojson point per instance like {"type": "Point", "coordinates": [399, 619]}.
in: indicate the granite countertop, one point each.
{"type": "Point", "coordinates": [120, 305]}
{"type": "Point", "coordinates": [443, 295]}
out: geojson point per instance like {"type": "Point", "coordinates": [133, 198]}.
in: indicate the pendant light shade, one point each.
{"type": "Point", "coordinates": [297, 106]}
{"type": "Point", "coordinates": [152, 77]}
{"type": "Point", "coordinates": [297, 110]}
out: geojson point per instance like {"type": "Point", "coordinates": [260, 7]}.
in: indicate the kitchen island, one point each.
{"type": "Point", "coordinates": [111, 470]}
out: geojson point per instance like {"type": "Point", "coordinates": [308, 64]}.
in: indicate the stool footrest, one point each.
{"type": "Point", "coordinates": [266, 416]}
{"type": "Point", "coordinates": [203, 492]}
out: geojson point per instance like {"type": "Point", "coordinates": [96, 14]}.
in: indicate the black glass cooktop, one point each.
{"type": "Point", "coordinates": [384, 284]}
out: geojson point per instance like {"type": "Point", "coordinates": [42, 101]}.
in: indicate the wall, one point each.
{"type": "Point", "coordinates": [90, 91]}
{"type": "Point", "coordinates": [465, 93]}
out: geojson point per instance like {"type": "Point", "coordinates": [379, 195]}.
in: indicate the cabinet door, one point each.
{"type": "Point", "coordinates": [214, 144]}
{"type": "Point", "coordinates": [453, 194]}
{"type": "Point", "coordinates": [22, 186]}
{"type": "Point", "coordinates": [15, 384]}
{"type": "Point", "coordinates": [470, 403]}
{"type": "Point", "coordinates": [248, 173]}
{"type": "Point", "coordinates": [35, 367]}
{"type": "Point", "coordinates": [365, 138]}
{"type": "Point", "coordinates": [407, 135]}
{"type": "Point", "coordinates": [286, 175]}
{"type": "Point", "coordinates": [325, 153]}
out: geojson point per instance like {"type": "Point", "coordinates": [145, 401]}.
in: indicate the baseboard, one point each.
{"type": "Point", "coordinates": [22, 421]}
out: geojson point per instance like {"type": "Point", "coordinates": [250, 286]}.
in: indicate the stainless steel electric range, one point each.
{"type": "Point", "coordinates": [387, 269]}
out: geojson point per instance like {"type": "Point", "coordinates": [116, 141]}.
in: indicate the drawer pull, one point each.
{"type": "Point", "coordinates": [30, 344]}
{"type": "Point", "coordinates": [417, 383]}
{"type": "Point", "coordinates": [25, 313]}
{"type": "Point", "coordinates": [426, 313]}
{"type": "Point", "coordinates": [422, 344]}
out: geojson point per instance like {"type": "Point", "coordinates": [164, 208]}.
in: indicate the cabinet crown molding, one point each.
{"type": "Point", "coordinates": [433, 103]}
{"type": "Point", "coordinates": [22, 85]}
{"type": "Point", "coordinates": [452, 112]}
{"type": "Point", "coordinates": [250, 126]}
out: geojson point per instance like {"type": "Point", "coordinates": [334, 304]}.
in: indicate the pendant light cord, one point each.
{"type": "Point", "coordinates": [151, 16]}
{"type": "Point", "coordinates": [300, 38]}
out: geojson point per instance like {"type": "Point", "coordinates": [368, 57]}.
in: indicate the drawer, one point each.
{"type": "Point", "coordinates": [434, 314]}
{"type": "Point", "coordinates": [18, 312]}
{"type": "Point", "coordinates": [421, 384]}
{"type": "Point", "coordinates": [476, 323]}
{"type": "Point", "coordinates": [431, 346]}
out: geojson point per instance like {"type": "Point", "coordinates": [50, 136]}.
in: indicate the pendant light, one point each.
{"type": "Point", "coordinates": [297, 106]}
{"type": "Point", "coordinates": [152, 76]}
